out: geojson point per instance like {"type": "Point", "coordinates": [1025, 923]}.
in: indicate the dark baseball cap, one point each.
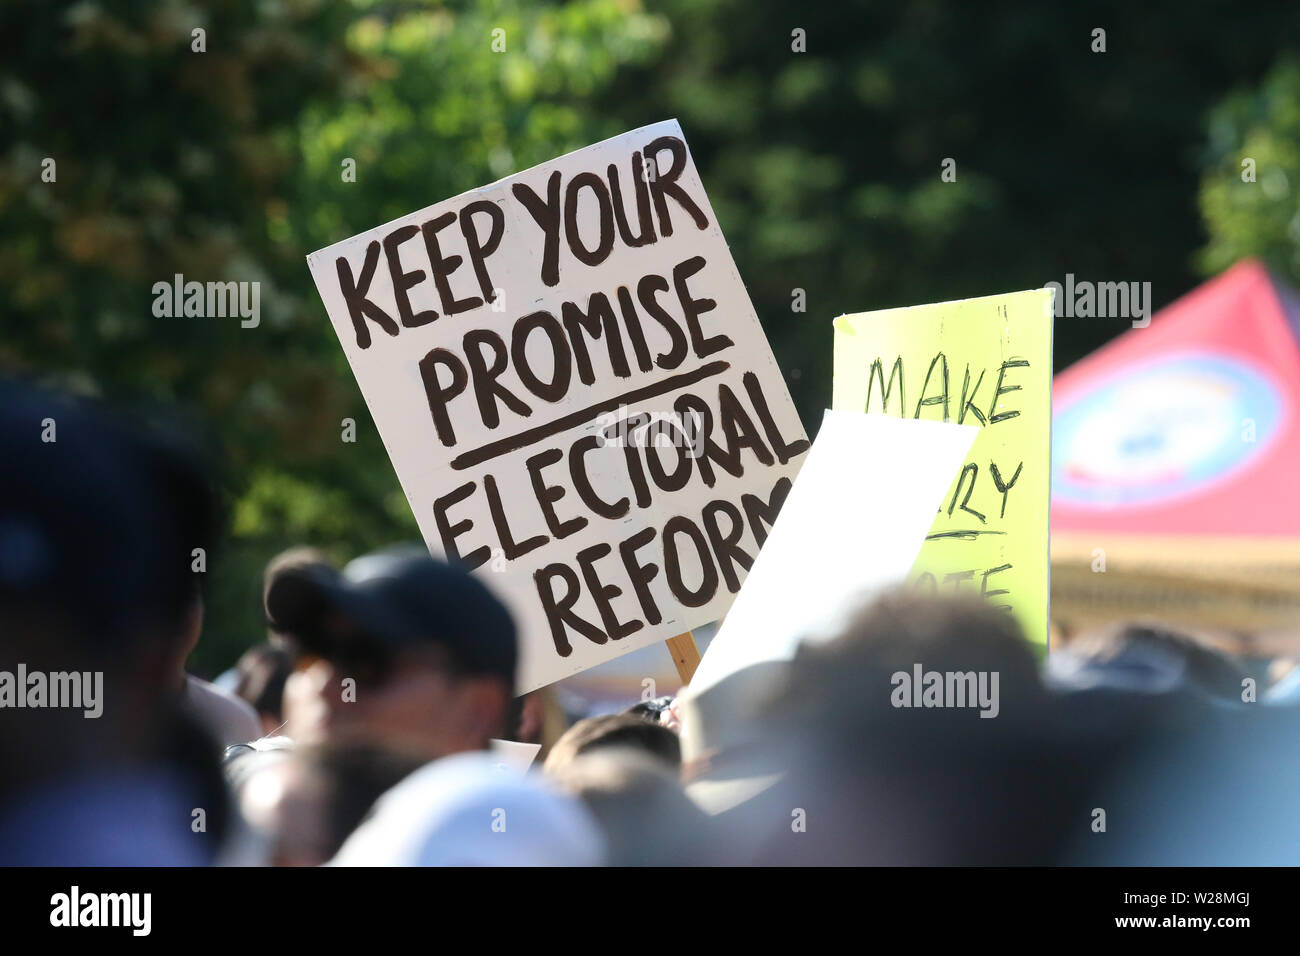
{"type": "Point", "coordinates": [393, 600]}
{"type": "Point", "coordinates": [99, 513]}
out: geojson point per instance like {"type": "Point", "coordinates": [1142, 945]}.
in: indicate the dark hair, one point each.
{"type": "Point", "coordinates": [932, 783]}
{"type": "Point", "coordinates": [650, 709]}
{"type": "Point", "coordinates": [187, 472]}
{"type": "Point", "coordinates": [615, 730]}
{"type": "Point", "coordinates": [647, 818]}
{"type": "Point", "coordinates": [263, 671]}
{"type": "Point", "coordinates": [899, 630]}
{"type": "Point", "coordinates": [1205, 669]}
{"type": "Point", "coordinates": [130, 498]}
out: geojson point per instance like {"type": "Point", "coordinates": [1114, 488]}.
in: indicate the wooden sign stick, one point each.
{"type": "Point", "coordinates": [686, 655]}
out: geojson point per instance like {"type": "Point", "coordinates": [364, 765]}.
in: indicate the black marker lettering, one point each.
{"type": "Point", "coordinates": [559, 611]}
{"type": "Point", "coordinates": [605, 241]}
{"type": "Point", "coordinates": [355, 292]}
{"type": "Point", "coordinates": [547, 216]}
{"type": "Point", "coordinates": [504, 534]}
{"type": "Point", "coordinates": [647, 233]}
{"type": "Point", "coordinates": [665, 184]}
{"type": "Point", "coordinates": [641, 574]}
{"type": "Point", "coordinates": [487, 390]}
{"type": "Point", "coordinates": [604, 594]}
{"type": "Point", "coordinates": [694, 308]}
{"type": "Point", "coordinates": [673, 563]}
{"type": "Point", "coordinates": [480, 249]}
{"type": "Point", "coordinates": [727, 546]}
{"type": "Point", "coordinates": [437, 395]}
{"type": "Point", "coordinates": [1002, 486]}
{"type": "Point", "coordinates": [547, 495]}
{"type": "Point", "coordinates": [443, 266]}
{"type": "Point", "coordinates": [404, 281]}
{"type": "Point", "coordinates": [1000, 391]}
{"type": "Point", "coordinates": [449, 532]}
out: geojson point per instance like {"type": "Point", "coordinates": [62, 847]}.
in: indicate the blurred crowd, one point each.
{"type": "Point", "coordinates": [364, 729]}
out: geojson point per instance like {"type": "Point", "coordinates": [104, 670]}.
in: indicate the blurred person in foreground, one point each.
{"type": "Point", "coordinates": [1220, 794]}
{"type": "Point", "coordinates": [227, 716]}
{"type": "Point", "coordinates": [637, 798]}
{"type": "Point", "coordinates": [98, 523]}
{"type": "Point", "coordinates": [469, 810]}
{"type": "Point", "coordinates": [863, 757]}
{"type": "Point", "coordinates": [397, 650]}
{"type": "Point", "coordinates": [1202, 771]}
{"type": "Point", "coordinates": [301, 803]}
{"type": "Point", "coordinates": [1136, 663]}
{"type": "Point", "coordinates": [417, 656]}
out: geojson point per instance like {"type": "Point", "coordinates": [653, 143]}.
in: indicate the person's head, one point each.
{"type": "Point", "coordinates": [398, 649]}
{"type": "Point", "coordinates": [196, 509]}
{"type": "Point", "coordinates": [290, 561]}
{"type": "Point", "coordinates": [616, 730]}
{"type": "Point", "coordinates": [639, 803]}
{"type": "Point", "coordinates": [262, 672]}
{"type": "Point", "coordinates": [1149, 659]}
{"type": "Point", "coordinates": [101, 523]}
{"type": "Point", "coordinates": [901, 630]}
{"type": "Point", "coordinates": [922, 734]}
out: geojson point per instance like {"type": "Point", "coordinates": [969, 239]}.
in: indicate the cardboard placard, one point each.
{"type": "Point", "coordinates": [985, 362]}
{"type": "Point", "coordinates": [576, 394]}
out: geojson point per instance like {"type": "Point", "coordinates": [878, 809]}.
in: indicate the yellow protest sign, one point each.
{"type": "Point", "coordinates": [985, 362]}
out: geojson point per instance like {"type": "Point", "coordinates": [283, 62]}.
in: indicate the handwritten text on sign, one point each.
{"type": "Point", "coordinates": [985, 362]}
{"type": "Point", "coordinates": [576, 393]}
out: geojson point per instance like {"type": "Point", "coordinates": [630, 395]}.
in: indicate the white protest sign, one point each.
{"type": "Point", "coordinates": [853, 524]}
{"type": "Point", "coordinates": [576, 394]}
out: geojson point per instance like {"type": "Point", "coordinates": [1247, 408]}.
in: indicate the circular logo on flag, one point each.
{"type": "Point", "coordinates": [1162, 430]}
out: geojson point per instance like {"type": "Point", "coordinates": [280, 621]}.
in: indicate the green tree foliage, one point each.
{"type": "Point", "coordinates": [225, 165]}
{"type": "Point", "coordinates": [1250, 193]}
{"type": "Point", "coordinates": [823, 166]}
